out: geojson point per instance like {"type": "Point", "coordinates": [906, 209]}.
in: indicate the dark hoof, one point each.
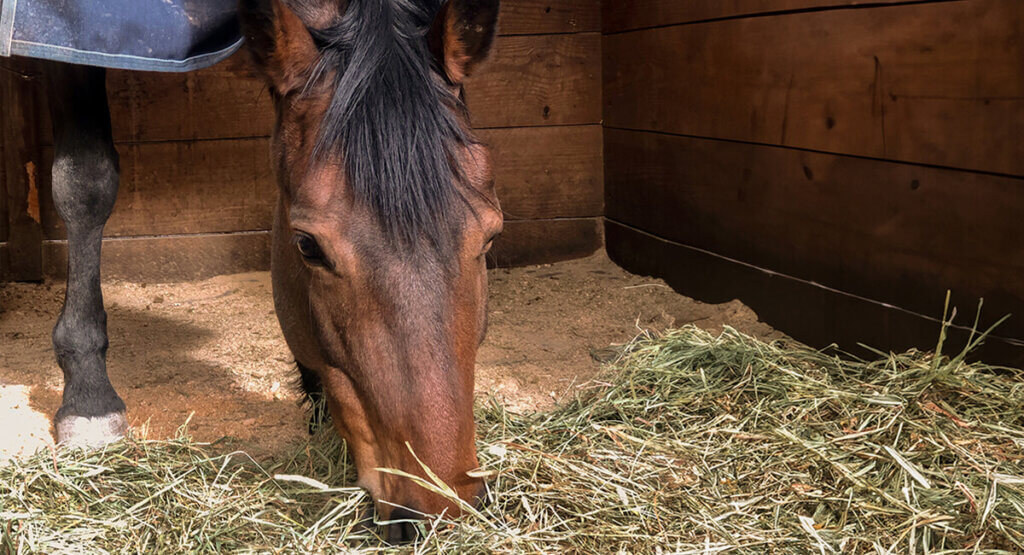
{"type": "Point", "coordinates": [402, 532]}
{"type": "Point", "coordinates": [91, 432]}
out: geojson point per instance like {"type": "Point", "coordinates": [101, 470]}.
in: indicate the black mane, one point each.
{"type": "Point", "coordinates": [393, 119]}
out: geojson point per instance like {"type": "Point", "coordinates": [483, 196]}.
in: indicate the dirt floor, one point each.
{"type": "Point", "coordinates": [212, 349]}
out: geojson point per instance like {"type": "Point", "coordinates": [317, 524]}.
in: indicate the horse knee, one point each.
{"type": "Point", "coordinates": [85, 185]}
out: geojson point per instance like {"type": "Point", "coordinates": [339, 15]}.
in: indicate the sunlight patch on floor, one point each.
{"type": "Point", "coordinates": [24, 430]}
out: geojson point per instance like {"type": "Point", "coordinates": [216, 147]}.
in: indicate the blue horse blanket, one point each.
{"type": "Point", "coordinates": [152, 35]}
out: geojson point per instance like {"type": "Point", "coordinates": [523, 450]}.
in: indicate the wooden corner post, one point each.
{"type": "Point", "coordinates": [20, 100]}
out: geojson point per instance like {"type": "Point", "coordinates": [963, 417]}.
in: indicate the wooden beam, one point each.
{"type": "Point", "coordinates": [545, 241]}
{"type": "Point", "coordinates": [20, 91]}
{"type": "Point", "coordinates": [170, 259]}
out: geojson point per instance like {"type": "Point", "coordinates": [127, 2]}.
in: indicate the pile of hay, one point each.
{"type": "Point", "coordinates": [694, 443]}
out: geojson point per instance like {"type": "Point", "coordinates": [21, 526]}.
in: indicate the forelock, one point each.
{"type": "Point", "coordinates": [396, 126]}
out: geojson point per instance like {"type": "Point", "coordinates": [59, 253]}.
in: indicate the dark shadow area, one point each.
{"type": "Point", "coordinates": [812, 314]}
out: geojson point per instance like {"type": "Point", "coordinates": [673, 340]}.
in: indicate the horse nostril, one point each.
{"type": "Point", "coordinates": [402, 532]}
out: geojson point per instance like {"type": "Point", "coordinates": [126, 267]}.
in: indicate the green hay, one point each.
{"type": "Point", "coordinates": [694, 443]}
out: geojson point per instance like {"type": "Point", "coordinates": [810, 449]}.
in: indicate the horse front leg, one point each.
{"type": "Point", "coordinates": [85, 179]}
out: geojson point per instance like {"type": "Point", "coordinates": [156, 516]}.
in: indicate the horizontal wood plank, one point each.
{"type": "Point", "coordinates": [529, 80]}
{"type": "Point", "coordinates": [545, 241]}
{"type": "Point", "coordinates": [223, 101]}
{"type": "Point", "coordinates": [934, 83]}
{"type": "Point", "coordinates": [538, 80]}
{"type": "Point", "coordinates": [169, 259]}
{"type": "Point", "coordinates": [803, 311]}
{"type": "Point", "coordinates": [185, 187]}
{"type": "Point", "coordinates": [521, 17]}
{"type": "Point", "coordinates": [190, 257]}
{"type": "Point", "coordinates": [547, 172]}
{"type": "Point", "coordinates": [230, 100]}
{"type": "Point", "coordinates": [638, 14]}
{"type": "Point", "coordinates": [215, 186]}
{"type": "Point", "coordinates": [898, 233]}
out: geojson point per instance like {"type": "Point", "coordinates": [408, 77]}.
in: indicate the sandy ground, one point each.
{"type": "Point", "coordinates": [212, 349]}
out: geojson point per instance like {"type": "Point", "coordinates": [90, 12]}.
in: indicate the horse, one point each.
{"type": "Point", "coordinates": [386, 210]}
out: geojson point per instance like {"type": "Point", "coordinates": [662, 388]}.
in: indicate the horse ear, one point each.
{"type": "Point", "coordinates": [281, 45]}
{"type": "Point", "coordinates": [462, 35]}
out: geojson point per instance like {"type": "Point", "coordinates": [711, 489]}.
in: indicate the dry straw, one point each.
{"type": "Point", "coordinates": [694, 443]}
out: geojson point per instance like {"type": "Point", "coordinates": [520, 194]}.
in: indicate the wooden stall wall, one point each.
{"type": "Point", "coordinates": [197, 189]}
{"type": "Point", "coordinates": [837, 165]}
{"type": "Point", "coordinates": [20, 232]}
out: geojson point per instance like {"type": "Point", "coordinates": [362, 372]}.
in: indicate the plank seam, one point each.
{"type": "Point", "coordinates": [560, 33]}
{"type": "Point", "coordinates": [131, 142]}
{"type": "Point", "coordinates": [557, 219]}
{"type": "Point", "coordinates": [267, 231]}
{"type": "Point", "coordinates": [795, 11]}
{"type": "Point", "coordinates": [1010, 340]}
{"type": "Point", "coordinates": [500, 127]}
{"type": "Point", "coordinates": [168, 236]}
{"type": "Point", "coordinates": [819, 151]}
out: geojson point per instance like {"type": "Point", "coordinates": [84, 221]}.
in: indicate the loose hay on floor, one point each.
{"type": "Point", "coordinates": [694, 443]}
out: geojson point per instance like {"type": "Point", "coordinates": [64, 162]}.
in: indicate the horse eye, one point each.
{"type": "Point", "coordinates": [309, 249]}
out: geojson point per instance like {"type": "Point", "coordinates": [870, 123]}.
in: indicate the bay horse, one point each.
{"type": "Point", "coordinates": [386, 210]}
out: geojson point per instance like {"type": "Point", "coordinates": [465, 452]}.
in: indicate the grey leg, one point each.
{"type": "Point", "coordinates": [85, 177]}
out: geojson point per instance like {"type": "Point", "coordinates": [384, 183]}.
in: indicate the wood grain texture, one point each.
{"type": "Point", "coordinates": [547, 172]}
{"type": "Point", "coordinates": [529, 80]}
{"type": "Point", "coordinates": [538, 80]}
{"type": "Point", "coordinates": [545, 241]}
{"type": "Point", "coordinates": [185, 187]}
{"type": "Point", "coordinates": [897, 233]}
{"type": "Point", "coordinates": [195, 156]}
{"type": "Point", "coordinates": [20, 90]}
{"type": "Point", "coordinates": [213, 186]}
{"type": "Point", "coordinates": [169, 259]}
{"type": "Point", "coordinates": [934, 83]}
{"type": "Point", "coordinates": [620, 16]}
{"type": "Point", "coordinates": [191, 257]}
{"type": "Point", "coordinates": [223, 101]}
{"type": "Point", "coordinates": [520, 17]}
{"type": "Point", "coordinates": [807, 313]}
